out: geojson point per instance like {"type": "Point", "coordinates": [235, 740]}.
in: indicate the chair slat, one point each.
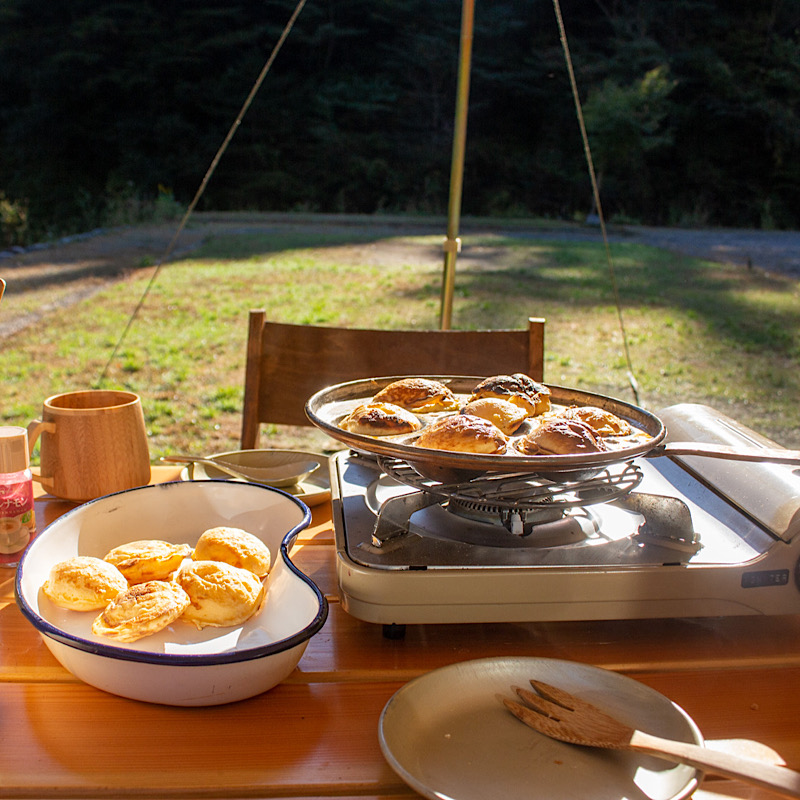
{"type": "Point", "coordinates": [286, 364]}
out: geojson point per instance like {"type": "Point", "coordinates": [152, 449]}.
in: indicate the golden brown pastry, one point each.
{"type": "Point", "coordinates": [504, 415]}
{"type": "Point", "coordinates": [148, 559]}
{"type": "Point", "coordinates": [235, 547]}
{"type": "Point", "coordinates": [464, 433]}
{"type": "Point", "coordinates": [518, 389]}
{"type": "Point", "coordinates": [559, 436]}
{"type": "Point", "coordinates": [380, 419]}
{"type": "Point", "coordinates": [599, 420]}
{"type": "Point", "coordinates": [141, 610]}
{"type": "Point", "coordinates": [219, 594]}
{"type": "Point", "coordinates": [84, 583]}
{"type": "Point", "coordinates": [421, 395]}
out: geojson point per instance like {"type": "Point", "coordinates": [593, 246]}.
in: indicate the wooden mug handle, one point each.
{"type": "Point", "coordinates": [34, 429]}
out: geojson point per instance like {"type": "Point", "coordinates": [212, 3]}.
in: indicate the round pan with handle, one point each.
{"type": "Point", "coordinates": [329, 406]}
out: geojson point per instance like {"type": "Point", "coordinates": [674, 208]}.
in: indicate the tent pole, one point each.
{"type": "Point", "coordinates": [452, 244]}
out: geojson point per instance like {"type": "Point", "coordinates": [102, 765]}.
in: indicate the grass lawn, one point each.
{"type": "Point", "coordinates": [696, 331]}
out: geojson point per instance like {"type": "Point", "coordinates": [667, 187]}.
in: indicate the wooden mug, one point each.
{"type": "Point", "coordinates": [93, 443]}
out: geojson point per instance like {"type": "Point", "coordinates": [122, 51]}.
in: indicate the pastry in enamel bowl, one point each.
{"type": "Point", "coordinates": [518, 389]}
{"type": "Point", "coordinates": [503, 414]}
{"type": "Point", "coordinates": [380, 419]}
{"type": "Point", "coordinates": [559, 436]}
{"type": "Point", "coordinates": [148, 559]}
{"type": "Point", "coordinates": [235, 547]}
{"type": "Point", "coordinates": [141, 610]}
{"type": "Point", "coordinates": [599, 420]}
{"type": "Point", "coordinates": [421, 395]}
{"type": "Point", "coordinates": [84, 583]}
{"type": "Point", "coordinates": [219, 594]}
{"type": "Point", "coordinates": [463, 433]}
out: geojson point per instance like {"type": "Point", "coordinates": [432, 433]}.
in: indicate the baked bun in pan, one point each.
{"type": "Point", "coordinates": [559, 436]}
{"type": "Point", "coordinates": [421, 395]}
{"type": "Point", "coordinates": [599, 420]}
{"type": "Point", "coordinates": [463, 433]}
{"type": "Point", "coordinates": [504, 415]}
{"type": "Point", "coordinates": [518, 389]}
{"type": "Point", "coordinates": [380, 419]}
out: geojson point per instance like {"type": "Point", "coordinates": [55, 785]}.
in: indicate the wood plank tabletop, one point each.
{"type": "Point", "coordinates": [316, 734]}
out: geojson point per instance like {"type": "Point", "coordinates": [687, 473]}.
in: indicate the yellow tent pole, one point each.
{"type": "Point", "coordinates": [452, 244]}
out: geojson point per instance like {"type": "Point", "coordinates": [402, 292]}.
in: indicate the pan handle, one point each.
{"type": "Point", "coordinates": [775, 455]}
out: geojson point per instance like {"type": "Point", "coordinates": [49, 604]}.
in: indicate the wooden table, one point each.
{"type": "Point", "coordinates": [315, 735]}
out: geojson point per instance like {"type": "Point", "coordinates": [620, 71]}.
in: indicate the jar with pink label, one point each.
{"type": "Point", "coordinates": [17, 517]}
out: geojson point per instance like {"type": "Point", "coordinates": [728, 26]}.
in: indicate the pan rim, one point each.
{"type": "Point", "coordinates": [327, 405]}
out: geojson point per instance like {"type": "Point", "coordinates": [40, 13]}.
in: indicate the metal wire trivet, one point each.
{"type": "Point", "coordinates": [522, 491]}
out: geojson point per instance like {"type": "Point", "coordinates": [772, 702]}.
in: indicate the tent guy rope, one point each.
{"type": "Point", "coordinates": [452, 243]}
{"type": "Point", "coordinates": [206, 178]}
{"type": "Point", "coordinates": [596, 194]}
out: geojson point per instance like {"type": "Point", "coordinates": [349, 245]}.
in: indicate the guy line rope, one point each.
{"type": "Point", "coordinates": [206, 178]}
{"type": "Point", "coordinates": [246, 105]}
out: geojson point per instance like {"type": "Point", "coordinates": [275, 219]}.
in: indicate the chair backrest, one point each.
{"type": "Point", "coordinates": [286, 364]}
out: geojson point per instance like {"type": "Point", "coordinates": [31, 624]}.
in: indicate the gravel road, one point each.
{"type": "Point", "coordinates": [772, 251]}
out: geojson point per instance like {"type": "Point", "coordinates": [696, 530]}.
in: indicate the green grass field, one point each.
{"type": "Point", "coordinates": [696, 331]}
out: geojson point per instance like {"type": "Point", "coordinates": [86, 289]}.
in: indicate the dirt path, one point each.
{"type": "Point", "coordinates": [44, 278]}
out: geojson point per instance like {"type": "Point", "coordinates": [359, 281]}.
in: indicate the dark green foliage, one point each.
{"type": "Point", "coordinates": [692, 107]}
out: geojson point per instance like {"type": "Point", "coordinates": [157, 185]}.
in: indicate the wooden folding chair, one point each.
{"type": "Point", "coordinates": [286, 364]}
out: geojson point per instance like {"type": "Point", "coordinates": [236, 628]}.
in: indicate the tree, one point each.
{"type": "Point", "coordinates": [624, 124]}
{"type": "Point", "coordinates": [693, 107]}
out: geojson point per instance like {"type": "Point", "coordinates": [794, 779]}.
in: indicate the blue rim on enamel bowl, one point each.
{"type": "Point", "coordinates": [137, 654]}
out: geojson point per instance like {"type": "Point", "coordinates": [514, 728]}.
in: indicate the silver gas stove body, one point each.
{"type": "Point", "coordinates": [683, 537]}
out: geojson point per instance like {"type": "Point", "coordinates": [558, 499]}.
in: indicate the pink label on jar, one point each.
{"type": "Point", "coordinates": [17, 519]}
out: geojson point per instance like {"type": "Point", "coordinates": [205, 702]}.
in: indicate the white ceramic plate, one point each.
{"type": "Point", "coordinates": [312, 491]}
{"type": "Point", "coordinates": [179, 665]}
{"type": "Point", "coordinates": [449, 738]}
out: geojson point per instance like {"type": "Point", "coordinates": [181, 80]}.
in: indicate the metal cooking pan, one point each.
{"type": "Point", "coordinates": [329, 406]}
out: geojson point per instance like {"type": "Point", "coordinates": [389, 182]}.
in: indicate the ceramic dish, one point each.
{"type": "Point", "coordinates": [180, 665]}
{"type": "Point", "coordinates": [313, 490]}
{"type": "Point", "coordinates": [447, 735]}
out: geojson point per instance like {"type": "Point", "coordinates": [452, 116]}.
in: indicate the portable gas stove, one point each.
{"type": "Point", "coordinates": [655, 537]}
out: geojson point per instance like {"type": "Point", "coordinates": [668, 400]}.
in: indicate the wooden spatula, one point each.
{"type": "Point", "coordinates": [560, 715]}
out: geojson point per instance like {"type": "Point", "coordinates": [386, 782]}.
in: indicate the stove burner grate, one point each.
{"type": "Point", "coordinates": [521, 492]}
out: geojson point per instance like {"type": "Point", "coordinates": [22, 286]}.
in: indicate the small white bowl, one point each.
{"type": "Point", "coordinates": [180, 665]}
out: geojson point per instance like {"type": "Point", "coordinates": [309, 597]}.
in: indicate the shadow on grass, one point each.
{"type": "Point", "coordinates": [751, 310]}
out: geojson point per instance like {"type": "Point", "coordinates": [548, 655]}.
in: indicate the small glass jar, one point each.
{"type": "Point", "coordinates": [17, 516]}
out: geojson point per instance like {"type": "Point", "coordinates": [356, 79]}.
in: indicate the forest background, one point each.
{"type": "Point", "coordinates": [109, 106]}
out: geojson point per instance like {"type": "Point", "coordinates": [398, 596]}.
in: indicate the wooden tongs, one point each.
{"type": "Point", "coordinates": [560, 715]}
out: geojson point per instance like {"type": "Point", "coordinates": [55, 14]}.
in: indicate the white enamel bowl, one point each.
{"type": "Point", "coordinates": [180, 665]}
